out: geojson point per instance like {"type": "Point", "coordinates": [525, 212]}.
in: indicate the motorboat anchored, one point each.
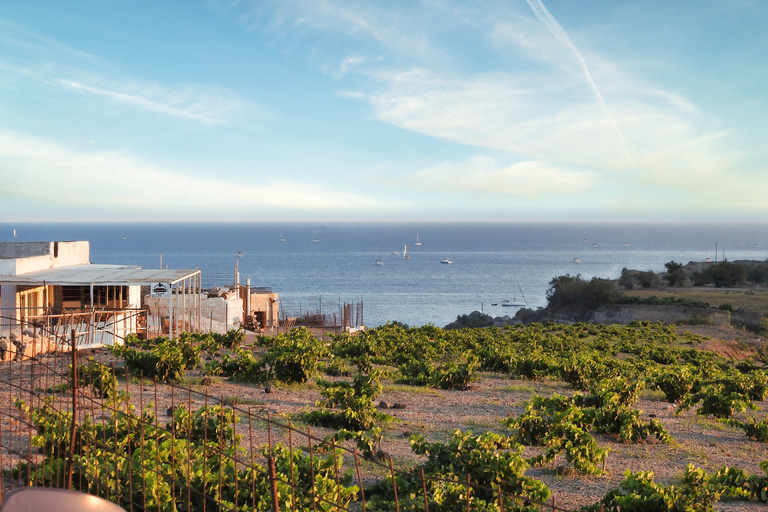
{"type": "Point", "coordinates": [446, 261]}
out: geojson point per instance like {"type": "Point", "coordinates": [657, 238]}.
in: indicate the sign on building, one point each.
{"type": "Point", "coordinates": [160, 290]}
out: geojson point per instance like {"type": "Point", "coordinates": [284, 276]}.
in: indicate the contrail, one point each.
{"type": "Point", "coordinates": [554, 27]}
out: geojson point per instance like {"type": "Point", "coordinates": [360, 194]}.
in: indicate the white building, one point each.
{"type": "Point", "coordinates": [49, 289]}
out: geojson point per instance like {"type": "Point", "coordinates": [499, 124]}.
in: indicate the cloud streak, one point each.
{"type": "Point", "coordinates": [117, 181]}
{"type": "Point", "coordinates": [557, 31]}
{"type": "Point", "coordinates": [483, 176]}
{"type": "Point", "coordinates": [194, 102]}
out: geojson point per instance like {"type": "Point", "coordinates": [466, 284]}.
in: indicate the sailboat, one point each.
{"type": "Point", "coordinates": [314, 238]}
{"type": "Point", "coordinates": [417, 239]}
{"type": "Point", "coordinates": [14, 233]}
{"type": "Point", "coordinates": [376, 260]}
{"type": "Point", "coordinates": [515, 301]}
{"type": "Point", "coordinates": [405, 253]}
{"type": "Point", "coordinates": [282, 238]}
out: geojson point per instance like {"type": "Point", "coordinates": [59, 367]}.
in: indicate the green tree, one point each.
{"type": "Point", "coordinates": [675, 273]}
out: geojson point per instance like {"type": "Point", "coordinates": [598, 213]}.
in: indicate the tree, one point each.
{"type": "Point", "coordinates": [626, 280]}
{"type": "Point", "coordinates": [579, 295]}
{"type": "Point", "coordinates": [647, 279]}
{"type": "Point", "coordinates": [725, 274]}
{"type": "Point", "coordinates": [675, 273]}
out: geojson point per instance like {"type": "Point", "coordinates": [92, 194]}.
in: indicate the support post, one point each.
{"type": "Point", "coordinates": [73, 430]}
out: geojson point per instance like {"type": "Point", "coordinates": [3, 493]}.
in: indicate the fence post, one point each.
{"type": "Point", "coordinates": [394, 484]}
{"type": "Point", "coordinates": [273, 483]}
{"type": "Point", "coordinates": [73, 431]}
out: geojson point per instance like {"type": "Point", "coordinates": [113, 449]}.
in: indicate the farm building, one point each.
{"type": "Point", "coordinates": [49, 289]}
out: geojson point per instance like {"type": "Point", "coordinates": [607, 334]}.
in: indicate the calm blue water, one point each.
{"type": "Point", "coordinates": [488, 258]}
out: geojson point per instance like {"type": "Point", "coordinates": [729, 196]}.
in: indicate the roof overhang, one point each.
{"type": "Point", "coordinates": [100, 275]}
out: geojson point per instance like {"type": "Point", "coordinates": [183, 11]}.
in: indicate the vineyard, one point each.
{"type": "Point", "coordinates": [541, 417]}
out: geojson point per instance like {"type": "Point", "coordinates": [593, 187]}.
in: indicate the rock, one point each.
{"type": "Point", "coordinates": [378, 455]}
{"type": "Point", "coordinates": [170, 411]}
{"type": "Point", "coordinates": [398, 405]}
{"type": "Point", "coordinates": [206, 380]}
{"type": "Point", "coordinates": [383, 405]}
{"type": "Point", "coordinates": [268, 389]}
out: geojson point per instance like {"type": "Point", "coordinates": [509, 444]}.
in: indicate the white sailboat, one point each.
{"type": "Point", "coordinates": [405, 253]}
{"type": "Point", "coordinates": [314, 238]}
{"type": "Point", "coordinates": [376, 260]}
{"type": "Point", "coordinates": [282, 238]}
{"type": "Point", "coordinates": [14, 233]}
{"type": "Point", "coordinates": [515, 301]}
{"type": "Point", "coordinates": [417, 239]}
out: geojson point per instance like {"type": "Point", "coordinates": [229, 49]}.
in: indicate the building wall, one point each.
{"type": "Point", "coordinates": [17, 258]}
{"type": "Point", "coordinates": [218, 314]}
{"type": "Point", "coordinates": [268, 304]}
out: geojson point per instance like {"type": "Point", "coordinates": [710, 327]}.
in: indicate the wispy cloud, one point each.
{"type": "Point", "coordinates": [118, 181]}
{"type": "Point", "coordinates": [482, 176]}
{"type": "Point", "coordinates": [541, 12]}
{"type": "Point", "coordinates": [204, 104]}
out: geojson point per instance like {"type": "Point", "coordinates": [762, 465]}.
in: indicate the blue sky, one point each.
{"type": "Point", "coordinates": [396, 110]}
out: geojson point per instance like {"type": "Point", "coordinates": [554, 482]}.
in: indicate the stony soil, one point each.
{"type": "Point", "coordinates": [437, 413]}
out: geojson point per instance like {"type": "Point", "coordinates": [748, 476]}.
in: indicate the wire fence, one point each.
{"type": "Point", "coordinates": [331, 316]}
{"type": "Point", "coordinates": [61, 426]}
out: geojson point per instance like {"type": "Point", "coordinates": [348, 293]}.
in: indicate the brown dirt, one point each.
{"type": "Point", "coordinates": [437, 413]}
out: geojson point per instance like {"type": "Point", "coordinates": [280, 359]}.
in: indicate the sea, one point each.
{"type": "Point", "coordinates": [319, 267]}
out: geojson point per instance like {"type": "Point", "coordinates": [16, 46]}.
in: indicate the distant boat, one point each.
{"type": "Point", "coordinates": [376, 260]}
{"type": "Point", "coordinates": [625, 244]}
{"type": "Point", "coordinates": [417, 239]}
{"type": "Point", "coordinates": [405, 253]}
{"type": "Point", "coordinates": [583, 240]}
{"type": "Point", "coordinates": [594, 245]}
{"type": "Point", "coordinates": [314, 238]}
{"type": "Point", "coordinates": [396, 253]}
{"type": "Point", "coordinates": [14, 234]}
{"type": "Point", "coordinates": [515, 301]}
{"type": "Point", "coordinates": [122, 237]}
{"type": "Point", "coordinates": [446, 261]}
{"type": "Point", "coordinates": [576, 260]}
{"type": "Point", "coordinates": [281, 239]}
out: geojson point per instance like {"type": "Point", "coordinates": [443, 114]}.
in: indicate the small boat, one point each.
{"type": "Point", "coordinates": [446, 261]}
{"type": "Point", "coordinates": [376, 260]}
{"type": "Point", "coordinates": [14, 234]}
{"type": "Point", "coordinates": [122, 237]}
{"type": "Point", "coordinates": [494, 303]}
{"type": "Point", "coordinates": [576, 260]}
{"type": "Point", "coordinates": [396, 253]}
{"type": "Point", "coordinates": [594, 245]}
{"type": "Point", "coordinates": [281, 239]}
{"type": "Point", "coordinates": [405, 253]}
{"type": "Point", "coordinates": [417, 239]}
{"type": "Point", "coordinates": [515, 301]}
{"type": "Point", "coordinates": [625, 244]}
{"type": "Point", "coordinates": [314, 238]}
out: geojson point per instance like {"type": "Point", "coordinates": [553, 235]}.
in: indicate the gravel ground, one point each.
{"type": "Point", "coordinates": [436, 413]}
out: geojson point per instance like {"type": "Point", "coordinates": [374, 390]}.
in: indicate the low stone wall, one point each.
{"type": "Point", "coordinates": [665, 314]}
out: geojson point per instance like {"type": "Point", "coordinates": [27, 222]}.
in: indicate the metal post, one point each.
{"type": "Point", "coordinates": [73, 431]}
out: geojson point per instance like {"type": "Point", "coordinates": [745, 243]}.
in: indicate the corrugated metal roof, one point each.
{"type": "Point", "coordinates": [111, 275]}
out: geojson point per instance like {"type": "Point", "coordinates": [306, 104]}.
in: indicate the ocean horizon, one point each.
{"type": "Point", "coordinates": [319, 265]}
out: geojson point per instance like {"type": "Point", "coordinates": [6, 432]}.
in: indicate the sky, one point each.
{"type": "Point", "coordinates": [296, 110]}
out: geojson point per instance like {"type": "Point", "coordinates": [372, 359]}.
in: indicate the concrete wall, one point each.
{"type": "Point", "coordinates": [17, 258]}
{"type": "Point", "coordinates": [218, 314]}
